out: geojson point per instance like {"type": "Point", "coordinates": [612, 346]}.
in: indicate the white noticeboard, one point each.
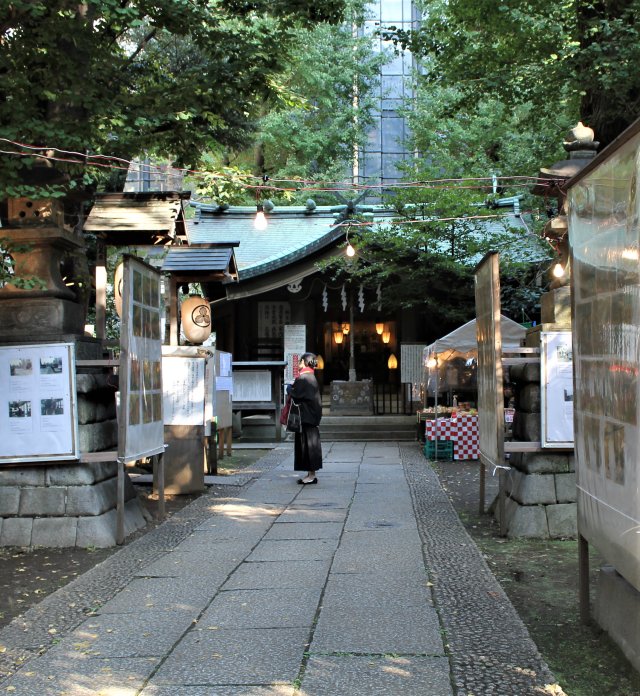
{"type": "Point", "coordinates": [295, 340]}
{"type": "Point", "coordinates": [38, 413]}
{"type": "Point", "coordinates": [557, 389]}
{"type": "Point", "coordinates": [183, 384]}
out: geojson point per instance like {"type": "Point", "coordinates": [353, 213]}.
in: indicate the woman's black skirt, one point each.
{"type": "Point", "coordinates": [307, 449]}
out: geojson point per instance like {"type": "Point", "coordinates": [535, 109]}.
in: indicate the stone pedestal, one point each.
{"type": "Point", "coordinates": [541, 496]}
{"type": "Point", "coordinates": [64, 505]}
{"type": "Point", "coordinates": [541, 487]}
{"type": "Point", "coordinates": [72, 504]}
{"type": "Point", "coordinates": [351, 398]}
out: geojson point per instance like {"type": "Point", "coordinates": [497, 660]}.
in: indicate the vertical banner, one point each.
{"type": "Point", "coordinates": [38, 411]}
{"type": "Point", "coordinates": [557, 388]}
{"type": "Point", "coordinates": [140, 425]}
{"type": "Point", "coordinates": [488, 332]}
{"type": "Point", "coordinates": [295, 340]}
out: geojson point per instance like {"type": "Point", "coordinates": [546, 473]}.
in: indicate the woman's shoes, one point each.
{"type": "Point", "coordinates": [306, 483]}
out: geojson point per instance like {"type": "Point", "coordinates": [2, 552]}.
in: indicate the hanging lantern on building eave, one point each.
{"type": "Point", "coordinates": [338, 336]}
{"type": "Point", "coordinates": [117, 289]}
{"type": "Point", "coordinates": [195, 315]}
{"type": "Point", "coordinates": [392, 363]}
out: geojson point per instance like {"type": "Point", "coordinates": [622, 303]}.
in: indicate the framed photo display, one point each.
{"type": "Point", "coordinates": [38, 409]}
{"type": "Point", "coordinates": [140, 426]}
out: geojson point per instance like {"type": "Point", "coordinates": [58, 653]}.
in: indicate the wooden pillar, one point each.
{"type": "Point", "coordinates": [583, 579]}
{"type": "Point", "coordinates": [120, 504]}
{"type": "Point", "coordinates": [173, 312]}
{"type": "Point", "coordinates": [101, 290]}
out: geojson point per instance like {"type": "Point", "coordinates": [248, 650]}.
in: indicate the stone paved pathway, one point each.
{"type": "Point", "coordinates": [363, 585]}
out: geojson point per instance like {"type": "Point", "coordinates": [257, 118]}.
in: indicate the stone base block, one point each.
{"type": "Point", "coordinates": [525, 520]}
{"type": "Point", "coordinates": [100, 531]}
{"type": "Point", "coordinates": [617, 611]}
{"type": "Point", "coordinates": [531, 489]}
{"type": "Point", "coordinates": [527, 426]}
{"type": "Point", "coordinates": [16, 531]}
{"type": "Point", "coordinates": [566, 487]}
{"type": "Point", "coordinates": [528, 399]}
{"type": "Point", "coordinates": [563, 521]}
{"type": "Point", "coordinates": [541, 463]}
{"type": "Point", "coordinates": [54, 532]}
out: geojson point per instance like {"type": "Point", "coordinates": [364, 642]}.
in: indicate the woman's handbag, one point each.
{"type": "Point", "coordinates": [294, 421]}
{"type": "Point", "coordinates": [284, 414]}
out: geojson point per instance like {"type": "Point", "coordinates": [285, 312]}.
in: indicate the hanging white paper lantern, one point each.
{"type": "Point", "coordinates": [195, 314]}
{"type": "Point", "coordinates": [117, 288]}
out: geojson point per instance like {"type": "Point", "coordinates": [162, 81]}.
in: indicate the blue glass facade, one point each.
{"type": "Point", "coordinates": [386, 146]}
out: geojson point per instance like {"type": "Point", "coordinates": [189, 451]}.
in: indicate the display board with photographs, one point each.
{"type": "Point", "coordinates": [38, 411]}
{"type": "Point", "coordinates": [557, 389]}
{"type": "Point", "coordinates": [604, 235]}
{"type": "Point", "coordinates": [141, 432]}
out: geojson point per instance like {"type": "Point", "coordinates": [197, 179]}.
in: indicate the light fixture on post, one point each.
{"type": "Point", "coordinates": [386, 336]}
{"type": "Point", "coordinates": [392, 363]}
{"type": "Point", "coordinates": [338, 336]}
{"type": "Point", "coordinates": [379, 328]}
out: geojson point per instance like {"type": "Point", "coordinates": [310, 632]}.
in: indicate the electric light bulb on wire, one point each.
{"type": "Point", "coordinates": [350, 250]}
{"type": "Point", "coordinates": [260, 220]}
{"type": "Point", "coordinates": [558, 270]}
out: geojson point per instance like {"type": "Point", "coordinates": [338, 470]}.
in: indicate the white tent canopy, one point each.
{"type": "Point", "coordinates": [463, 340]}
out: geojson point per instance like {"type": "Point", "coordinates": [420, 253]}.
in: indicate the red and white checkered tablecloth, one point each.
{"type": "Point", "coordinates": [463, 430]}
{"type": "Point", "coordinates": [468, 439]}
{"type": "Point", "coordinates": [447, 429]}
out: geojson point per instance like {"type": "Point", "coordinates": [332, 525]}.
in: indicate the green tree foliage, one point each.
{"type": "Point", "coordinates": [121, 77]}
{"type": "Point", "coordinates": [573, 57]}
{"type": "Point", "coordinates": [330, 78]}
{"type": "Point", "coordinates": [425, 258]}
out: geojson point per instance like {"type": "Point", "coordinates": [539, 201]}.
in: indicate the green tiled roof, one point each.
{"type": "Point", "coordinates": [291, 235]}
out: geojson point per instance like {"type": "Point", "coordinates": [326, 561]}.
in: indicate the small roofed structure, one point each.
{"type": "Point", "coordinates": [211, 265]}
{"type": "Point", "coordinates": [151, 218]}
{"type": "Point", "coordinates": [138, 219]}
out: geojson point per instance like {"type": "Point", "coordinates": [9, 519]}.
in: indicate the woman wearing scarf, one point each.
{"type": "Point", "coordinates": [306, 393]}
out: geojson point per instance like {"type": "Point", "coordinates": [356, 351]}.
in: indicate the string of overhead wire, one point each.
{"type": "Point", "coordinates": [265, 184]}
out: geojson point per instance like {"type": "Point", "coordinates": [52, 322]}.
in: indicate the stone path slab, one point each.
{"type": "Point", "coordinates": [363, 584]}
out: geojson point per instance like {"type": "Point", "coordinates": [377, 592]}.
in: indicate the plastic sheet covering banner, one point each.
{"type": "Point", "coordinates": [604, 234]}
{"type": "Point", "coordinates": [490, 395]}
{"type": "Point", "coordinates": [140, 423]}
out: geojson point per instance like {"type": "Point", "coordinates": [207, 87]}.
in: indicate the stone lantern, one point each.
{"type": "Point", "coordinates": [52, 305]}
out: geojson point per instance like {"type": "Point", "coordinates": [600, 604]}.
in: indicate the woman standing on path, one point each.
{"type": "Point", "coordinates": [306, 393]}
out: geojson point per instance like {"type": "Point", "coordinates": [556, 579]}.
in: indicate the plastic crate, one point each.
{"type": "Point", "coordinates": [438, 449]}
